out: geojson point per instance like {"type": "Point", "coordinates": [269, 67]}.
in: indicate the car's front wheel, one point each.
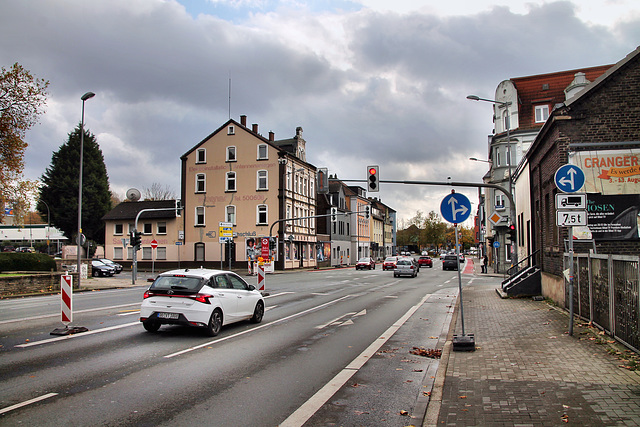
{"type": "Point", "coordinates": [258, 313]}
{"type": "Point", "coordinates": [95, 273]}
{"type": "Point", "coordinates": [215, 323]}
{"type": "Point", "coordinates": [151, 326]}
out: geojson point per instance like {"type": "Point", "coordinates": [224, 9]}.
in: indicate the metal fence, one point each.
{"type": "Point", "coordinates": [606, 293]}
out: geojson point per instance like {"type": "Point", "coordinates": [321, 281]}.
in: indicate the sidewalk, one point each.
{"type": "Point", "coordinates": [527, 370]}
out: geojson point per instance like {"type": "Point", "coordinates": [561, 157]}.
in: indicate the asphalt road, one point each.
{"type": "Point", "coordinates": [333, 348]}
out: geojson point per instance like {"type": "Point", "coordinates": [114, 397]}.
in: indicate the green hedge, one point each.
{"type": "Point", "coordinates": [24, 261]}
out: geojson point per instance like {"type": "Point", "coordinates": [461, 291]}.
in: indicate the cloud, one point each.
{"type": "Point", "coordinates": [368, 86]}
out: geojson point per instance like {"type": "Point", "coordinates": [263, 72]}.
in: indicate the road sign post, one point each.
{"type": "Point", "coordinates": [456, 208]}
{"type": "Point", "coordinates": [154, 246]}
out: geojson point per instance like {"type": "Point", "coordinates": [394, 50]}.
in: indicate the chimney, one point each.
{"type": "Point", "coordinates": [243, 120]}
{"type": "Point", "coordinates": [272, 136]}
{"type": "Point", "coordinates": [254, 128]}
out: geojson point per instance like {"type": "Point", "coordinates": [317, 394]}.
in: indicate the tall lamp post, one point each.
{"type": "Point", "coordinates": [512, 211]}
{"type": "Point", "coordinates": [48, 225]}
{"type": "Point", "coordinates": [84, 97]}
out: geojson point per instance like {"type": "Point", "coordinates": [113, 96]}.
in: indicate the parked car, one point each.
{"type": "Point", "coordinates": [99, 268]}
{"type": "Point", "coordinates": [450, 262]}
{"type": "Point", "coordinates": [462, 259]}
{"type": "Point", "coordinates": [209, 299]}
{"type": "Point", "coordinates": [389, 263]}
{"type": "Point", "coordinates": [113, 264]}
{"type": "Point", "coordinates": [405, 267]}
{"type": "Point", "coordinates": [424, 253]}
{"type": "Point", "coordinates": [367, 263]}
{"type": "Point", "coordinates": [425, 261]}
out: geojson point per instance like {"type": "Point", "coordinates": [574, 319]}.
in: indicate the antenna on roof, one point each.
{"type": "Point", "coordinates": [229, 93]}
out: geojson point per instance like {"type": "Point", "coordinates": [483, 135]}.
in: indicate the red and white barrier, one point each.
{"type": "Point", "coordinates": [261, 276]}
{"type": "Point", "coordinates": [66, 294]}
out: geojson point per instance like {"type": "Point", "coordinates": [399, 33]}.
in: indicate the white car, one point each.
{"type": "Point", "coordinates": [202, 298]}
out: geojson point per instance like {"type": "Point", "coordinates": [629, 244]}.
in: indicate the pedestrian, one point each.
{"type": "Point", "coordinates": [485, 262]}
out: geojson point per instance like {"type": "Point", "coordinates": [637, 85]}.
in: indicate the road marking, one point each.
{"type": "Point", "coordinates": [197, 347]}
{"type": "Point", "coordinates": [335, 320]}
{"type": "Point", "coordinates": [82, 334]}
{"type": "Point", "coordinates": [27, 402]}
{"type": "Point", "coordinates": [277, 295]}
{"type": "Point", "coordinates": [128, 312]}
{"type": "Point", "coordinates": [311, 406]}
{"type": "Point", "coordinates": [26, 319]}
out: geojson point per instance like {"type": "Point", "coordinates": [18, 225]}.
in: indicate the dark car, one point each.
{"type": "Point", "coordinates": [425, 261]}
{"type": "Point", "coordinates": [99, 268]}
{"type": "Point", "coordinates": [450, 262]}
{"type": "Point", "coordinates": [113, 264]}
{"type": "Point", "coordinates": [366, 263]}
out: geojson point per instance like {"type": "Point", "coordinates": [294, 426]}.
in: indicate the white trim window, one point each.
{"type": "Point", "coordinates": [262, 214]}
{"type": "Point", "coordinates": [263, 154]}
{"type": "Point", "coordinates": [262, 180]}
{"type": "Point", "coordinates": [161, 227]}
{"type": "Point", "coordinates": [161, 253]}
{"type": "Point", "coordinates": [231, 154]}
{"type": "Point", "coordinates": [201, 155]}
{"type": "Point", "coordinates": [500, 201]}
{"type": "Point", "coordinates": [231, 130]}
{"type": "Point", "coordinates": [118, 229]}
{"type": "Point", "coordinates": [199, 220]}
{"type": "Point", "coordinates": [201, 179]}
{"type": "Point", "coordinates": [230, 214]}
{"type": "Point", "coordinates": [542, 113]}
{"type": "Point", "coordinates": [117, 252]}
{"type": "Point", "coordinates": [230, 184]}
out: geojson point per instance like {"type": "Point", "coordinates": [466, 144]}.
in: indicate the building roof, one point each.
{"type": "Point", "coordinates": [129, 210]}
{"type": "Point", "coordinates": [30, 232]}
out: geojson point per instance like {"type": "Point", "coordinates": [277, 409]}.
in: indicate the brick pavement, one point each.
{"type": "Point", "coordinates": [527, 371]}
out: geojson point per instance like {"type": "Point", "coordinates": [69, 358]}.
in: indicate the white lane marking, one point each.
{"type": "Point", "coordinates": [311, 406]}
{"type": "Point", "coordinates": [334, 320]}
{"type": "Point", "coordinates": [27, 402]}
{"type": "Point", "coordinates": [129, 313]}
{"type": "Point", "coordinates": [277, 295]}
{"type": "Point", "coordinates": [88, 310]}
{"type": "Point", "coordinates": [320, 293]}
{"type": "Point", "coordinates": [81, 334]}
{"type": "Point", "coordinates": [197, 347]}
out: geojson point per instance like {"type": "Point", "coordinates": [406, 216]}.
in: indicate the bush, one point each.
{"type": "Point", "coordinates": [24, 261]}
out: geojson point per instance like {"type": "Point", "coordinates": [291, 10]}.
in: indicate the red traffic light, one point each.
{"type": "Point", "coordinates": [512, 227]}
{"type": "Point", "coordinates": [373, 171]}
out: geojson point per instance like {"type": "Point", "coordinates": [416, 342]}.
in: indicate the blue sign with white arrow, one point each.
{"type": "Point", "coordinates": [569, 178]}
{"type": "Point", "coordinates": [455, 208]}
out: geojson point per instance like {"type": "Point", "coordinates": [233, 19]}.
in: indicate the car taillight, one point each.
{"type": "Point", "coordinates": [203, 298]}
{"type": "Point", "coordinates": [147, 294]}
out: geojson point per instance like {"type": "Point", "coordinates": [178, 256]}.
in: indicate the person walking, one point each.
{"type": "Point", "coordinates": [485, 262]}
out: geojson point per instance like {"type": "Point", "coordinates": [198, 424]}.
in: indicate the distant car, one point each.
{"type": "Point", "coordinates": [450, 262]}
{"type": "Point", "coordinates": [209, 299]}
{"type": "Point", "coordinates": [424, 253]}
{"type": "Point", "coordinates": [99, 268]}
{"type": "Point", "coordinates": [366, 263]}
{"type": "Point", "coordinates": [405, 267]}
{"type": "Point", "coordinates": [113, 264]}
{"type": "Point", "coordinates": [425, 261]}
{"type": "Point", "coordinates": [389, 263]}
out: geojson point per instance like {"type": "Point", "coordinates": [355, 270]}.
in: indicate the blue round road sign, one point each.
{"type": "Point", "coordinates": [455, 208]}
{"type": "Point", "coordinates": [496, 244]}
{"type": "Point", "coordinates": [569, 178]}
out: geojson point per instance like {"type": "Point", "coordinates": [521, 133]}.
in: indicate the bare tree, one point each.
{"type": "Point", "coordinates": [158, 192]}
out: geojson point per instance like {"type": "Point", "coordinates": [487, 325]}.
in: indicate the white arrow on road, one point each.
{"type": "Point", "coordinates": [454, 212]}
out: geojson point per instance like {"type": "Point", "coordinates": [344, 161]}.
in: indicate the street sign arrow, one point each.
{"type": "Point", "coordinates": [569, 178]}
{"type": "Point", "coordinates": [455, 208]}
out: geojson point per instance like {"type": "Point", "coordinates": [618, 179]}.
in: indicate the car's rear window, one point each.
{"type": "Point", "coordinates": [391, 258]}
{"type": "Point", "coordinates": [404, 262]}
{"type": "Point", "coordinates": [451, 257]}
{"type": "Point", "coordinates": [182, 283]}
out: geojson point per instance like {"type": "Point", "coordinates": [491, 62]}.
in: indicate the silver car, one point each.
{"type": "Point", "coordinates": [405, 267]}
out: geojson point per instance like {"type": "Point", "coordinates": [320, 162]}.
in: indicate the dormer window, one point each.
{"type": "Point", "coordinates": [542, 113]}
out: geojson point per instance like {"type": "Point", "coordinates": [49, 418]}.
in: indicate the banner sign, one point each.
{"type": "Point", "coordinates": [611, 218]}
{"type": "Point", "coordinates": [609, 171]}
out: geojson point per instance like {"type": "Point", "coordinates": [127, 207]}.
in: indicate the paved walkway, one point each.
{"type": "Point", "coordinates": [527, 371]}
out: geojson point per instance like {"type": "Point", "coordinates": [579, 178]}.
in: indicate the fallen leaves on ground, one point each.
{"type": "Point", "coordinates": [426, 352]}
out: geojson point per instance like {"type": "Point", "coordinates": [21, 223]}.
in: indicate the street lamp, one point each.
{"type": "Point", "coordinates": [512, 212]}
{"type": "Point", "coordinates": [84, 97]}
{"type": "Point", "coordinates": [480, 160]}
{"type": "Point", "coordinates": [48, 224]}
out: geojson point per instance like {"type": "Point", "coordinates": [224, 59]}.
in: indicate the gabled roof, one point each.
{"type": "Point", "coordinates": [129, 210]}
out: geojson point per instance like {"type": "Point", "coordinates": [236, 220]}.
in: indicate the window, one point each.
{"type": "Point", "coordinates": [498, 158]}
{"type": "Point", "coordinates": [161, 253]}
{"type": "Point", "coordinates": [162, 228]}
{"type": "Point", "coordinates": [117, 229]}
{"type": "Point", "coordinates": [231, 214]}
{"type": "Point", "coordinates": [199, 252]}
{"type": "Point", "coordinates": [200, 183]}
{"type": "Point", "coordinates": [231, 181]}
{"type": "Point", "coordinates": [146, 252]}
{"type": "Point", "coordinates": [262, 180]}
{"type": "Point", "coordinates": [231, 154]}
{"type": "Point", "coordinates": [262, 214]}
{"type": "Point", "coordinates": [231, 130]}
{"type": "Point", "coordinates": [262, 152]}
{"type": "Point", "coordinates": [147, 228]}
{"type": "Point", "coordinates": [499, 201]}
{"type": "Point", "coordinates": [542, 113]}
{"type": "Point", "coordinates": [201, 155]}
{"type": "Point", "coordinates": [117, 253]}
{"type": "Point", "coordinates": [288, 179]}
{"type": "Point", "coordinates": [199, 216]}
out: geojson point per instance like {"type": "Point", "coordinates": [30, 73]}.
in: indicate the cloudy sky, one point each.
{"type": "Point", "coordinates": [370, 81]}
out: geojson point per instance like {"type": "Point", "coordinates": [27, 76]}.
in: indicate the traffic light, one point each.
{"type": "Point", "coordinates": [135, 240]}
{"type": "Point", "coordinates": [373, 180]}
{"type": "Point", "coordinates": [334, 214]}
{"type": "Point", "coordinates": [272, 243]}
{"type": "Point", "coordinates": [367, 211]}
{"type": "Point", "coordinates": [511, 233]}
{"type": "Point", "coordinates": [178, 207]}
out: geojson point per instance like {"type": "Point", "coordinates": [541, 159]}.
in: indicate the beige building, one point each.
{"type": "Point", "coordinates": [259, 187]}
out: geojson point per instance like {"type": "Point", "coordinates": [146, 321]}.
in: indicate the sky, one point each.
{"type": "Point", "coordinates": [371, 82]}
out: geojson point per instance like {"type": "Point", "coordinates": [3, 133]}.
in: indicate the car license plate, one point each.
{"type": "Point", "coordinates": [168, 315]}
